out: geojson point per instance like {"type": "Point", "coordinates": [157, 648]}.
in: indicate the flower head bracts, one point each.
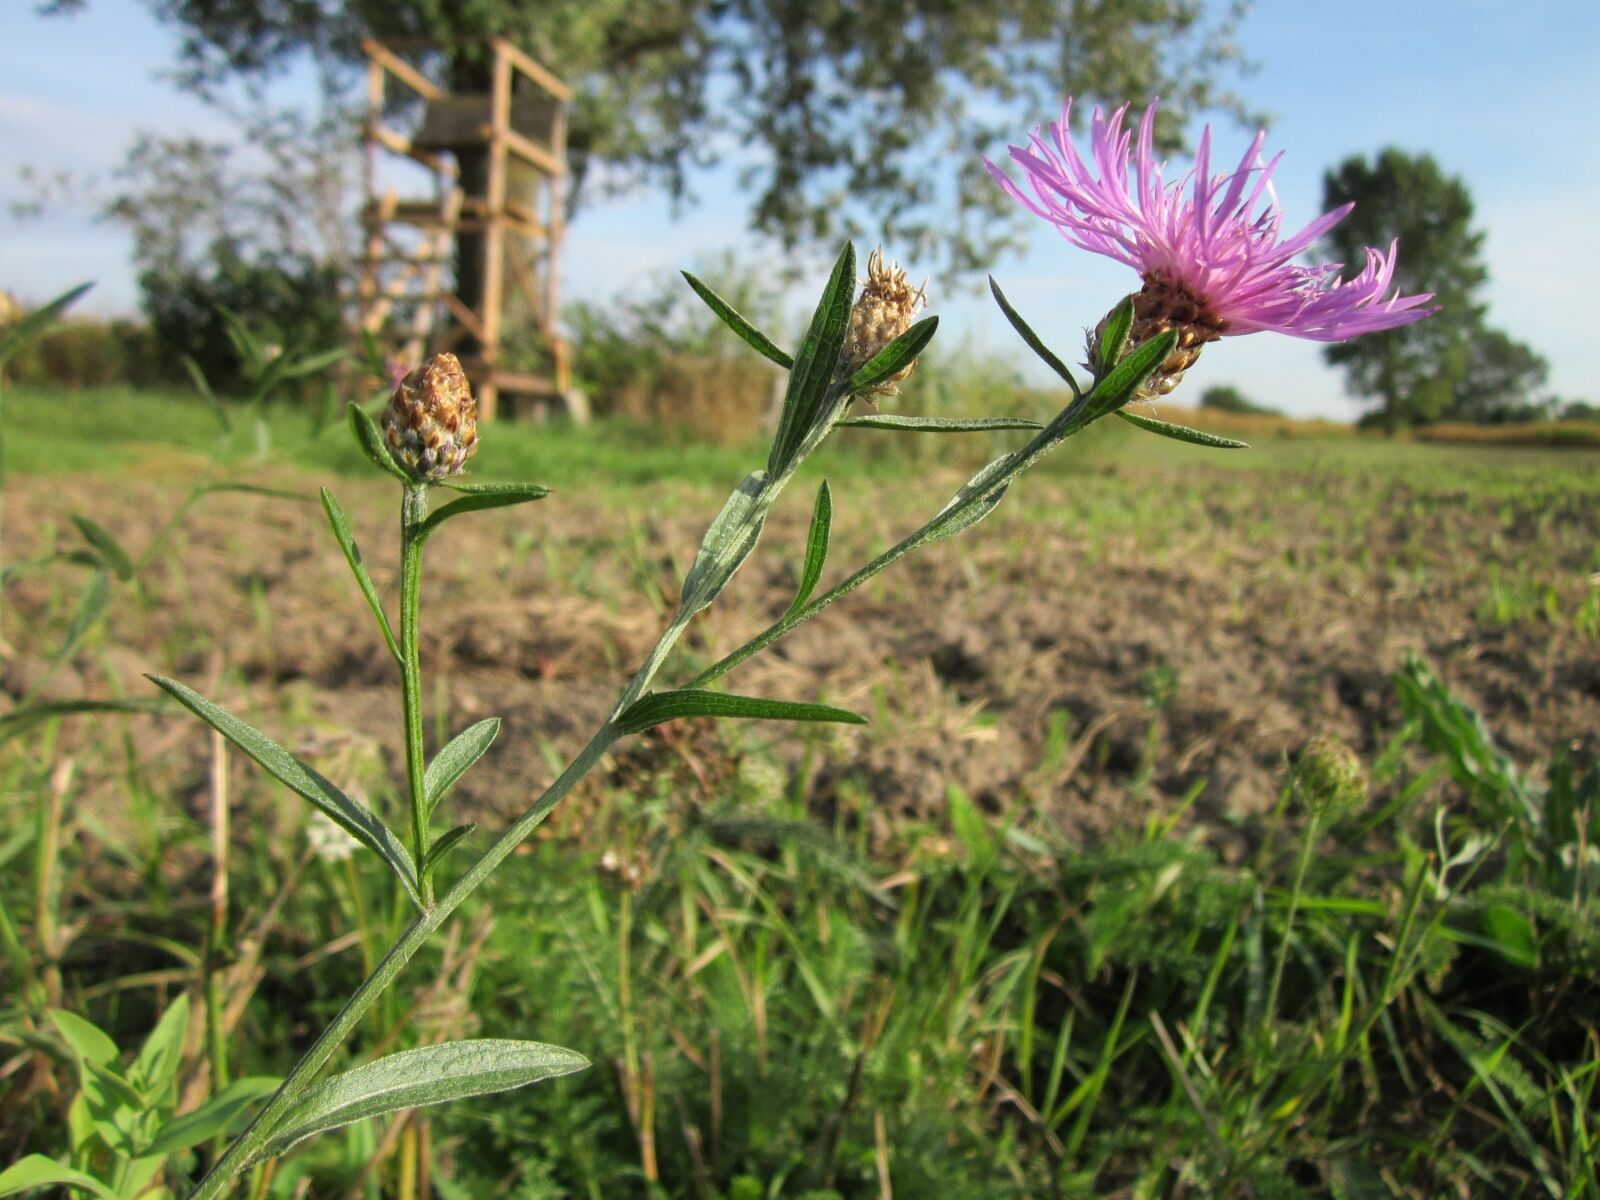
{"type": "Point", "coordinates": [1215, 239]}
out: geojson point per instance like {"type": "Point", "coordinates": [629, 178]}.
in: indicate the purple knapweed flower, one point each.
{"type": "Point", "coordinates": [1211, 263]}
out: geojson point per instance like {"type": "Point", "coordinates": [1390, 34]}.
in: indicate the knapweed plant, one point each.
{"type": "Point", "coordinates": [1213, 262]}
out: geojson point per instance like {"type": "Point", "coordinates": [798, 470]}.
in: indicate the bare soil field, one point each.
{"type": "Point", "coordinates": [1116, 636]}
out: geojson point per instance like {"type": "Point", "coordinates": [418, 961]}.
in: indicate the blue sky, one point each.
{"type": "Point", "coordinates": [1496, 92]}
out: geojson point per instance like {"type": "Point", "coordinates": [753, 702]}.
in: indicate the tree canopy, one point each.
{"type": "Point", "coordinates": [1451, 366]}
{"type": "Point", "coordinates": [837, 113]}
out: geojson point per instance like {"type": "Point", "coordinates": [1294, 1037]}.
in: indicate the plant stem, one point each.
{"type": "Point", "coordinates": [249, 1143]}
{"type": "Point", "coordinates": [413, 511]}
{"type": "Point", "coordinates": [1271, 1011]}
{"type": "Point", "coordinates": [216, 933]}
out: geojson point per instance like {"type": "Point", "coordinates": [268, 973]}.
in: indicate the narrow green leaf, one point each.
{"type": "Point", "coordinates": [354, 818]}
{"type": "Point", "coordinates": [496, 495]}
{"type": "Point", "coordinates": [729, 540]}
{"type": "Point", "coordinates": [458, 755]}
{"type": "Point", "coordinates": [816, 546]}
{"type": "Point", "coordinates": [730, 317]}
{"type": "Point", "coordinates": [894, 357]}
{"type": "Point", "coordinates": [1512, 934]}
{"type": "Point", "coordinates": [446, 843]}
{"type": "Point", "coordinates": [158, 1059]}
{"type": "Point", "coordinates": [968, 514]}
{"type": "Point", "coordinates": [36, 1171]}
{"type": "Point", "coordinates": [413, 1078]}
{"type": "Point", "coordinates": [895, 421]}
{"type": "Point", "coordinates": [218, 1116]}
{"type": "Point", "coordinates": [256, 489]}
{"type": "Point", "coordinates": [377, 362]}
{"type": "Point", "coordinates": [243, 340]}
{"type": "Point", "coordinates": [86, 1039]}
{"type": "Point", "coordinates": [107, 547]}
{"type": "Point", "coordinates": [1129, 375]}
{"type": "Point", "coordinates": [37, 323]}
{"type": "Point", "coordinates": [1114, 341]}
{"type": "Point", "coordinates": [459, 483]}
{"type": "Point", "coordinates": [90, 609]}
{"type": "Point", "coordinates": [1182, 433]}
{"type": "Point", "coordinates": [696, 702]}
{"type": "Point", "coordinates": [352, 555]}
{"type": "Point", "coordinates": [370, 438]}
{"type": "Point", "coordinates": [20, 719]}
{"type": "Point", "coordinates": [816, 363]}
{"type": "Point", "coordinates": [203, 386]}
{"type": "Point", "coordinates": [313, 364]}
{"type": "Point", "coordinates": [1034, 341]}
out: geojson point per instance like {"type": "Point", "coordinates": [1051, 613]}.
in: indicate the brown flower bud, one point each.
{"type": "Point", "coordinates": [431, 421]}
{"type": "Point", "coordinates": [1165, 303]}
{"type": "Point", "coordinates": [883, 312]}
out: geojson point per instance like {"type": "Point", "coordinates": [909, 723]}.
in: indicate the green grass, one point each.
{"type": "Point", "coordinates": [1381, 995]}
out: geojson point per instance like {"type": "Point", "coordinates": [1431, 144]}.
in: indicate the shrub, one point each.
{"type": "Point", "coordinates": [284, 299]}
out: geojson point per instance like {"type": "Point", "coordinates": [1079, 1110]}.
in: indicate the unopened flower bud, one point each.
{"type": "Point", "coordinates": [1166, 303]}
{"type": "Point", "coordinates": [884, 311]}
{"type": "Point", "coordinates": [1328, 777]}
{"type": "Point", "coordinates": [431, 421]}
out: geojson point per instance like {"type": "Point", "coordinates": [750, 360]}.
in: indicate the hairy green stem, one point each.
{"type": "Point", "coordinates": [413, 512]}
{"type": "Point", "coordinates": [249, 1143]}
{"type": "Point", "coordinates": [1271, 1011]}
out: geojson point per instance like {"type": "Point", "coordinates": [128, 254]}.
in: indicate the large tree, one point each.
{"type": "Point", "coordinates": [1451, 365]}
{"type": "Point", "coordinates": [839, 113]}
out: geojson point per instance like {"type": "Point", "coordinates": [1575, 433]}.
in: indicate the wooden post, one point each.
{"type": "Point", "coordinates": [494, 237]}
{"type": "Point", "coordinates": [557, 225]}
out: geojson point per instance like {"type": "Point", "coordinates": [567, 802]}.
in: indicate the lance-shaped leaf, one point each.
{"type": "Point", "coordinates": [353, 817]}
{"type": "Point", "coordinates": [730, 317]}
{"type": "Point", "coordinates": [255, 489]}
{"type": "Point", "coordinates": [697, 702]}
{"type": "Point", "coordinates": [313, 363]}
{"type": "Point", "coordinates": [370, 438]}
{"type": "Point", "coordinates": [352, 555]}
{"type": "Point", "coordinates": [816, 363]}
{"type": "Point", "coordinates": [1182, 433]}
{"type": "Point", "coordinates": [816, 546]}
{"type": "Point", "coordinates": [446, 843]}
{"type": "Point", "coordinates": [413, 1078]}
{"type": "Point", "coordinates": [216, 1117]}
{"type": "Point", "coordinates": [1035, 342]}
{"type": "Point", "coordinates": [895, 421]}
{"type": "Point", "coordinates": [458, 755]}
{"type": "Point", "coordinates": [1129, 375]}
{"type": "Point", "coordinates": [978, 497]}
{"type": "Point", "coordinates": [36, 1171]}
{"type": "Point", "coordinates": [1113, 340]}
{"type": "Point", "coordinates": [37, 323]}
{"type": "Point", "coordinates": [153, 1070]}
{"type": "Point", "coordinates": [728, 542]}
{"type": "Point", "coordinates": [894, 357]}
{"type": "Point", "coordinates": [20, 719]}
{"type": "Point", "coordinates": [479, 496]}
{"type": "Point", "coordinates": [203, 386]}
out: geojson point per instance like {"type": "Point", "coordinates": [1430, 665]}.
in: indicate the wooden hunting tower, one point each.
{"type": "Point", "coordinates": [471, 265]}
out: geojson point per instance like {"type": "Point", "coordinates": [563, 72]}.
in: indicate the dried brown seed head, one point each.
{"type": "Point", "coordinates": [884, 311]}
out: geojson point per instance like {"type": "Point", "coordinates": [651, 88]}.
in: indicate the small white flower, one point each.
{"type": "Point", "coordinates": [327, 840]}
